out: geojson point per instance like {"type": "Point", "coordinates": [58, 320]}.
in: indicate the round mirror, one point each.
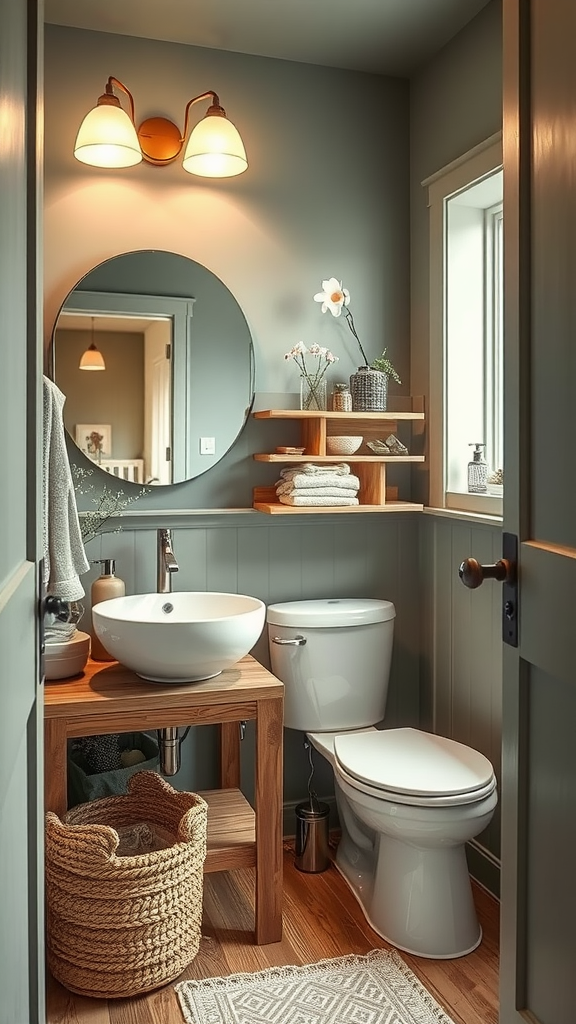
{"type": "Point", "coordinates": [155, 358]}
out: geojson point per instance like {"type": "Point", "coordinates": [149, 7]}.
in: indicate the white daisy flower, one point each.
{"type": "Point", "coordinates": [333, 296]}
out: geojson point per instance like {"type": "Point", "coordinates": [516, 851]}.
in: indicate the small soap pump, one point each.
{"type": "Point", "coordinates": [106, 586]}
{"type": "Point", "coordinates": [477, 470]}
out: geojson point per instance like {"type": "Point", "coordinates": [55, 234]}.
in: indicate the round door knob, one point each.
{"type": "Point", "coordinates": [472, 573]}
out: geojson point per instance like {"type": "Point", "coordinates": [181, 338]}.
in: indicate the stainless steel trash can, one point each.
{"type": "Point", "coordinates": [312, 852]}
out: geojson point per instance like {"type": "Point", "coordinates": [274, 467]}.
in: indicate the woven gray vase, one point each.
{"type": "Point", "coordinates": [369, 390]}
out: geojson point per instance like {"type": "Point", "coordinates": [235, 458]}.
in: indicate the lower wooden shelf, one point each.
{"type": "Point", "coordinates": [231, 831]}
{"type": "Point", "coordinates": [265, 500]}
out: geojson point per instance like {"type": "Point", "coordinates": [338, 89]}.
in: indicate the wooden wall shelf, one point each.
{"type": "Point", "coordinates": [315, 426]}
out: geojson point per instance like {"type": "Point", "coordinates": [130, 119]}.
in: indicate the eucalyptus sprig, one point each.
{"type": "Point", "coordinates": [107, 504]}
{"type": "Point", "coordinates": [383, 364]}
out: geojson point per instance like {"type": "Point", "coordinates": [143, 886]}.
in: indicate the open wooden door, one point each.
{"type": "Point", "coordinates": [21, 825]}
{"type": "Point", "coordinates": [538, 956]}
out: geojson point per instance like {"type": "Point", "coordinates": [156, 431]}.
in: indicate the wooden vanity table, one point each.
{"type": "Point", "coordinates": [109, 698]}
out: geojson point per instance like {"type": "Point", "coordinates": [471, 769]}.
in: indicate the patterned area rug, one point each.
{"type": "Point", "coordinates": [374, 989]}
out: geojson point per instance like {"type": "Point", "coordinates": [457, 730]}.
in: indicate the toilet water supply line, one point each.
{"type": "Point", "coordinates": [361, 840]}
{"type": "Point", "coordinates": [312, 795]}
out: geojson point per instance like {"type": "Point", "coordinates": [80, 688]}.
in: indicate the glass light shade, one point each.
{"type": "Point", "coordinates": [92, 359]}
{"type": "Point", "coordinates": [107, 138]}
{"type": "Point", "coordinates": [215, 149]}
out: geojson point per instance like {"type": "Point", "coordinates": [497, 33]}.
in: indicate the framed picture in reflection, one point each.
{"type": "Point", "coordinates": [95, 440]}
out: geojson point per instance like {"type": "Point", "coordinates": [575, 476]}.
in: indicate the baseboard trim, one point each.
{"type": "Point", "coordinates": [289, 815]}
{"type": "Point", "coordinates": [484, 867]}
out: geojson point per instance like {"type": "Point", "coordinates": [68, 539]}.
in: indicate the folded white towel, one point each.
{"type": "Point", "coordinates": [342, 492]}
{"type": "Point", "coordinates": [349, 482]}
{"type": "Point", "coordinates": [321, 500]}
{"type": "Point", "coordinates": [335, 468]}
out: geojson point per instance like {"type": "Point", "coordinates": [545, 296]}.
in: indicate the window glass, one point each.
{"type": "Point", "coordinates": [465, 414]}
{"type": "Point", "coordinates": [473, 334]}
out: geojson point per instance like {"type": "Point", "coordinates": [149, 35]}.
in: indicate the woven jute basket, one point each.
{"type": "Point", "coordinates": [121, 923]}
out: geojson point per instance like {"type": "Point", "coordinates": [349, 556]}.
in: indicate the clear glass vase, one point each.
{"type": "Point", "coordinates": [312, 395]}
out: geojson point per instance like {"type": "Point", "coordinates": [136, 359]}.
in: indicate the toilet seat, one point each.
{"type": "Point", "coordinates": [412, 767]}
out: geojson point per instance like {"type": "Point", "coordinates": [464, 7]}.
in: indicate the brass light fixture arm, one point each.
{"type": "Point", "coordinates": [109, 97]}
{"type": "Point", "coordinates": [215, 108]}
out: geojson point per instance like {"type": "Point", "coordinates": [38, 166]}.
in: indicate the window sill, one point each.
{"type": "Point", "coordinates": [478, 509]}
{"type": "Point", "coordinates": [483, 504]}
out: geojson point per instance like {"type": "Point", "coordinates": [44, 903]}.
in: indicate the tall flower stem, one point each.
{"type": "Point", "coordinates": [351, 325]}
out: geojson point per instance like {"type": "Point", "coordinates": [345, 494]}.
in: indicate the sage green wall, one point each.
{"type": "Point", "coordinates": [455, 103]}
{"type": "Point", "coordinates": [325, 194]}
{"type": "Point", "coordinates": [461, 655]}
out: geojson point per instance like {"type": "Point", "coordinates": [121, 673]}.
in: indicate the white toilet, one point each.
{"type": "Point", "coordinates": [407, 800]}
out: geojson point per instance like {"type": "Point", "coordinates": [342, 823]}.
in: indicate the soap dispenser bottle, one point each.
{"type": "Point", "coordinates": [106, 586]}
{"type": "Point", "coordinates": [477, 470]}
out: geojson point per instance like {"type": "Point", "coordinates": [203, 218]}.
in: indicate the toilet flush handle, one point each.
{"type": "Point", "coordinates": [295, 641]}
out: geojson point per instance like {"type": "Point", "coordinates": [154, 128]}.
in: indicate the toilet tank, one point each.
{"type": "Point", "coordinates": [333, 657]}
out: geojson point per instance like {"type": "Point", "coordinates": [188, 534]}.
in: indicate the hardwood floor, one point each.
{"type": "Point", "coordinates": [321, 919]}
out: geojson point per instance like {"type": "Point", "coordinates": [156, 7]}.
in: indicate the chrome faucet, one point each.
{"type": "Point", "coordinates": [166, 563]}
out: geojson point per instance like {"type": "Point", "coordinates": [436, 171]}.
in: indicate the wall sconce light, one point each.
{"type": "Point", "coordinates": [92, 359]}
{"type": "Point", "coordinates": [108, 137]}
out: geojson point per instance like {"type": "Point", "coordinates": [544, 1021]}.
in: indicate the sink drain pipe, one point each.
{"type": "Point", "coordinates": [169, 743]}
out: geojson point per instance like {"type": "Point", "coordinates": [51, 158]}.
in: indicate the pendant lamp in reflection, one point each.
{"type": "Point", "coordinates": [92, 359]}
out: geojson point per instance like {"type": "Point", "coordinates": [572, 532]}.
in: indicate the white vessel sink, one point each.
{"type": "Point", "coordinates": [180, 637]}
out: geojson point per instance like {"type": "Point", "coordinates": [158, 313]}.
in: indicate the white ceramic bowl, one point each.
{"type": "Point", "coordinates": [68, 658]}
{"type": "Point", "coordinates": [179, 637]}
{"type": "Point", "coordinates": [344, 444]}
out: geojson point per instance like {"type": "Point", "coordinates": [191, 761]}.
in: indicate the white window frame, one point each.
{"type": "Point", "coordinates": [494, 217]}
{"type": "Point", "coordinates": [481, 162]}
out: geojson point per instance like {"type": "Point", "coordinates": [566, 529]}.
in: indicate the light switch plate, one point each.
{"type": "Point", "coordinates": [207, 446]}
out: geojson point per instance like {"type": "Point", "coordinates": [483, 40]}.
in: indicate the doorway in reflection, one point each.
{"type": "Point", "coordinates": [133, 395]}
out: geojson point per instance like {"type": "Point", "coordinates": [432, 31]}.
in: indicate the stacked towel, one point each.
{"type": "Point", "coordinates": [310, 468]}
{"type": "Point", "coordinates": [301, 498]}
{"type": "Point", "coordinates": [312, 485]}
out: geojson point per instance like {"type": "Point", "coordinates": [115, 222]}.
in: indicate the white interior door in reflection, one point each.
{"type": "Point", "coordinates": [158, 410]}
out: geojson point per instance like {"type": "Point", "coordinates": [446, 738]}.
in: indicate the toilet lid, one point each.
{"type": "Point", "coordinates": [413, 763]}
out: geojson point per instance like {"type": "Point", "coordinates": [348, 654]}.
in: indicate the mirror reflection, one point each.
{"type": "Point", "coordinates": [155, 358]}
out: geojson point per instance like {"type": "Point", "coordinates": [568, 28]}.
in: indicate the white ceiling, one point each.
{"type": "Point", "coordinates": [392, 37]}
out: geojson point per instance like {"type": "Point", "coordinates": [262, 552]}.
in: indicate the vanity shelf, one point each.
{"type": "Point", "coordinates": [374, 494]}
{"type": "Point", "coordinates": [108, 698]}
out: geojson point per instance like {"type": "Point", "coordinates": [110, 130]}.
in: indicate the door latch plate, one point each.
{"type": "Point", "coordinates": [510, 591]}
